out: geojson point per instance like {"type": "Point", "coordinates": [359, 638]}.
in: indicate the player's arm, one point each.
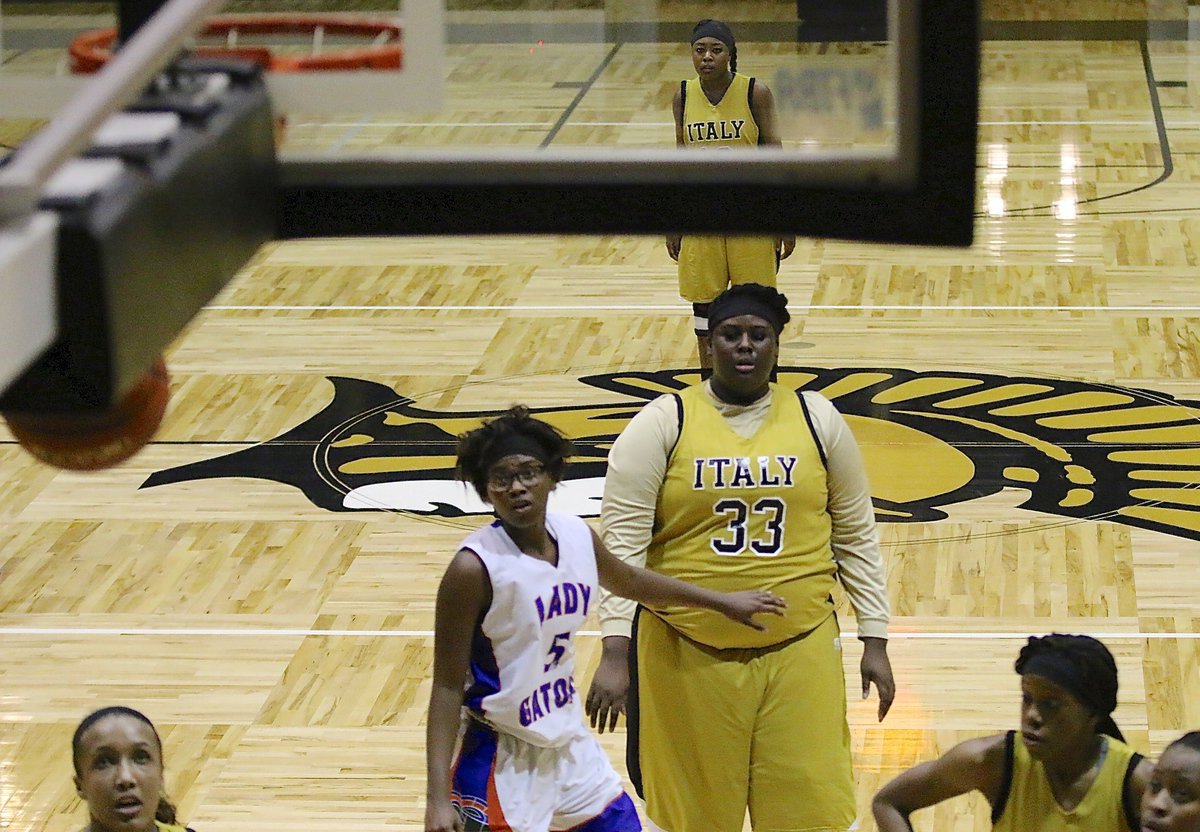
{"type": "Point", "coordinates": [675, 240]}
{"type": "Point", "coordinates": [975, 765]}
{"type": "Point", "coordinates": [855, 543]}
{"type": "Point", "coordinates": [655, 590]}
{"type": "Point", "coordinates": [463, 597]}
{"type": "Point", "coordinates": [637, 466]}
{"type": "Point", "coordinates": [762, 107]}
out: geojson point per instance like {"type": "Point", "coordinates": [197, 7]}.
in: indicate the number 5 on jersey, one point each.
{"type": "Point", "coordinates": [557, 650]}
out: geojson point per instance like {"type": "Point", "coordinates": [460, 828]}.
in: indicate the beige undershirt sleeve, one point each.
{"type": "Point", "coordinates": [637, 466]}
{"type": "Point", "coordinates": [855, 539]}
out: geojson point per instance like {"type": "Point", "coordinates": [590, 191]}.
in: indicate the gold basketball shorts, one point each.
{"type": "Point", "coordinates": [716, 731]}
{"type": "Point", "coordinates": [709, 265]}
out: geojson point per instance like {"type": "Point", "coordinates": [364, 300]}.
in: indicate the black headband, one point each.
{"type": "Point", "coordinates": [732, 305]}
{"type": "Point", "coordinates": [515, 443]}
{"type": "Point", "coordinates": [714, 29]}
{"type": "Point", "coordinates": [1063, 672]}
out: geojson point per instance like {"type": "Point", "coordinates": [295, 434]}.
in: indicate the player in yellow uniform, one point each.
{"type": "Point", "coordinates": [738, 482]}
{"type": "Point", "coordinates": [721, 109]}
{"type": "Point", "coordinates": [1067, 770]}
{"type": "Point", "coordinates": [117, 755]}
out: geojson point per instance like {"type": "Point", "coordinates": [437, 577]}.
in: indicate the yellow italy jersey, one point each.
{"type": "Point", "coordinates": [728, 123]}
{"type": "Point", "coordinates": [1026, 803]}
{"type": "Point", "coordinates": [158, 825]}
{"type": "Point", "coordinates": [739, 513]}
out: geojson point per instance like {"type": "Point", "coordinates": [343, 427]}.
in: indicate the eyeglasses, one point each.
{"type": "Point", "coordinates": [527, 476]}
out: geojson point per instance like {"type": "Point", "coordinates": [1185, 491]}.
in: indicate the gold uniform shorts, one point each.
{"type": "Point", "coordinates": [713, 732]}
{"type": "Point", "coordinates": [709, 265]}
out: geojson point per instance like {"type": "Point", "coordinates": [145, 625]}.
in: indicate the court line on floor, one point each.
{"type": "Point", "coordinates": [674, 307]}
{"type": "Point", "coordinates": [668, 124]}
{"type": "Point", "coordinates": [899, 635]}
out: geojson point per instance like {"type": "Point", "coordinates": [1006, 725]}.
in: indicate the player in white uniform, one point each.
{"type": "Point", "coordinates": [508, 608]}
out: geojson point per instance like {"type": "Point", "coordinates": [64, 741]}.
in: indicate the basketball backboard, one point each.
{"type": "Point", "coordinates": [568, 128]}
{"type": "Point", "coordinates": [536, 116]}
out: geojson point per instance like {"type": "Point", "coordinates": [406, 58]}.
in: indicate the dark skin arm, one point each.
{"type": "Point", "coordinates": [762, 107]}
{"type": "Point", "coordinates": [606, 697]}
{"type": "Point", "coordinates": [655, 590]}
{"type": "Point", "coordinates": [675, 240]}
{"type": "Point", "coordinates": [463, 596]}
{"type": "Point", "coordinates": [975, 765]}
{"type": "Point", "coordinates": [877, 667]}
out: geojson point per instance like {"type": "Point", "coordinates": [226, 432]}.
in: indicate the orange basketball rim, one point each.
{"type": "Point", "coordinates": [382, 47]}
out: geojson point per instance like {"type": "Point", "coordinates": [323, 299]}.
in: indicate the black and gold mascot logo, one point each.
{"type": "Point", "coordinates": [930, 440]}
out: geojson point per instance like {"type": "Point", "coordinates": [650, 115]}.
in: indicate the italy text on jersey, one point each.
{"type": "Point", "coordinates": [715, 131]}
{"type": "Point", "coordinates": [743, 472]}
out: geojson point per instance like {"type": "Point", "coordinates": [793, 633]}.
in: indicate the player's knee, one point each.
{"type": "Point", "coordinates": [700, 319]}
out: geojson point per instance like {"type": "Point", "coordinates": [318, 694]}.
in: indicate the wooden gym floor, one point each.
{"type": "Point", "coordinates": [257, 582]}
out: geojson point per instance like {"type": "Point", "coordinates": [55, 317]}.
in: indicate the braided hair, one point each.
{"type": "Point", "coordinates": [1082, 666]}
{"type": "Point", "coordinates": [479, 449]}
{"type": "Point", "coordinates": [165, 811]}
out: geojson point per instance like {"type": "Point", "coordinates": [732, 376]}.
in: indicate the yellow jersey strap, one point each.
{"type": "Point", "coordinates": [812, 428]}
{"type": "Point", "coordinates": [170, 827]}
{"type": "Point", "coordinates": [678, 399]}
{"type": "Point", "coordinates": [1006, 779]}
{"type": "Point", "coordinates": [1105, 806]}
{"type": "Point", "coordinates": [1132, 810]}
{"type": "Point", "coordinates": [749, 96]}
{"type": "Point", "coordinates": [750, 107]}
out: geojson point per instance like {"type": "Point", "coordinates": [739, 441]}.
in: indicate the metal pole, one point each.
{"type": "Point", "coordinates": [120, 81]}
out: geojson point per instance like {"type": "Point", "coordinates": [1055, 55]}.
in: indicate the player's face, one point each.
{"type": "Point", "coordinates": [1052, 720]}
{"type": "Point", "coordinates": [519, 487]}
{"type": "Point", "coordinates": [120, 774]}
{"type": "Point", "coordinates": [710, 57]}
{"type": "Point", "coordinates": [744, 350]}
{"type": "Point", "coordinates": [1171, 803]}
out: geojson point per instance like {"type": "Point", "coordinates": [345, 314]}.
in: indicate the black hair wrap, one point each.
{"type": "Point", "coordinates": [714, 29]}
{"type": "Point", "coordinates": [516, 443]}
{"type": "Point", "coordinates": [750, 299]}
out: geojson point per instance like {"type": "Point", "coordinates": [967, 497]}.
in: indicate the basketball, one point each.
{"type": "Point", "coordinates": [92, 441]}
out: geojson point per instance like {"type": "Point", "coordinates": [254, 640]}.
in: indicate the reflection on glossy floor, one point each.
{"type": "Point", "coordinates": [257, 580]}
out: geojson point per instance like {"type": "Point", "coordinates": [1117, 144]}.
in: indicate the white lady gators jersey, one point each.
{"type": "Point", "coordinates": [523, 653]}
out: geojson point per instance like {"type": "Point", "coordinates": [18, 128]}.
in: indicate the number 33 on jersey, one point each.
{"type": "Point", "coordinates": [740, 512]}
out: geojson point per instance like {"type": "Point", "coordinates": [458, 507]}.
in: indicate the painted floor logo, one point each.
{"type": "Point", "coordinates": [930, 440]}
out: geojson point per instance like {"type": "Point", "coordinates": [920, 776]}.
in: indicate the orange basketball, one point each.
{"type": "Point", "coordinates": [91, 441]}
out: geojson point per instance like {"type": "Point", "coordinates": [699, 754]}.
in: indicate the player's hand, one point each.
{"type": "Point", "coordinates": [877, 667]}
{"type": "Point", "coordinates": [785, 246]}
{"type": "Point", "coordinates": [610, 686]}
{"type": "Point", "coordinates": [674, 241]}
{"type": "Point", "coordinates": [743, 606]}
{"type": "Point", "coordinates": [441, 817]}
